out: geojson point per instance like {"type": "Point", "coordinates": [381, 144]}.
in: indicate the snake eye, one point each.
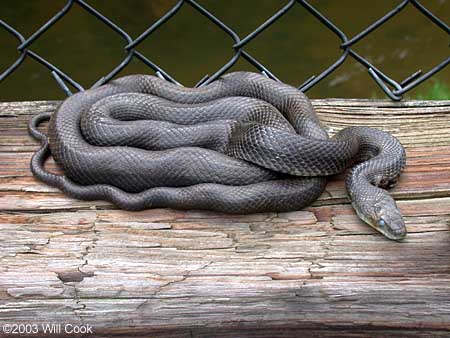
{"type": "Point", "coordinates": [381, 222]}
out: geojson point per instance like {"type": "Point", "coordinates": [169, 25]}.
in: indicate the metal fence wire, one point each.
{"type": "Point", "coordinates": [392, 88]}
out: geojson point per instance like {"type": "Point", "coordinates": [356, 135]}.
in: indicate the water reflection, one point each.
{"type": "Point", "coordinates": [189, 46]}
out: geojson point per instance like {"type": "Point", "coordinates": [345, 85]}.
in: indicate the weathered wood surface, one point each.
{"type": "Point", "coordinates": [167, 273]}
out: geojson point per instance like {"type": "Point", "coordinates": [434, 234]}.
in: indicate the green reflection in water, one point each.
{"type": "Point", "coordinates": [189, 46]}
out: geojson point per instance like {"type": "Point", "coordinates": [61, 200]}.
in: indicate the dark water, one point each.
{"type": "Point", "coordinates": [189, 46]}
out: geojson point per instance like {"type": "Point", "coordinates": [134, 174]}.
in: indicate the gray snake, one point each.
{"type": "Point", "coordinates": [242, 144]}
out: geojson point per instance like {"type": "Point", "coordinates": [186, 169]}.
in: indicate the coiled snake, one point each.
{"type": "Point", "coordinates": [242, 144]}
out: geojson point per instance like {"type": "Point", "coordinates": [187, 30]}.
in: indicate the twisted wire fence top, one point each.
{"type": "Point", "coordinates": [394, 89]}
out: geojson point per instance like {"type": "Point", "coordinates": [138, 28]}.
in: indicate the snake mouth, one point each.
{"type": "Point", "coordinates": [396, 234]}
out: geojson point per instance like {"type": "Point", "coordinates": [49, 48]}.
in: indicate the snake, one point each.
{"type": "Point", "coordinates": [244, 143]}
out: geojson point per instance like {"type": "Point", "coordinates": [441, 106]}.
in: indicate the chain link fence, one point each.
{"type": "Point", "coordinates": [392, 88]}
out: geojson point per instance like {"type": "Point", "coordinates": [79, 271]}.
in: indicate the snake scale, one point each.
{"type": "Point", "coordinates": [241, 144]}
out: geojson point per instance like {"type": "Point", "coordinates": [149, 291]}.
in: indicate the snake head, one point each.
{"type": "Point", "coordinates": [387, 219]}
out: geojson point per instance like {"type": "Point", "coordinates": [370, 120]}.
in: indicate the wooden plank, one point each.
{"type": "Point", "coordinates": [167, 273]}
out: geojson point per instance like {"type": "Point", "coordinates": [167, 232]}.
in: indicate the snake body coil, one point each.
{"type": "Point", "coordinates": [242, 144]}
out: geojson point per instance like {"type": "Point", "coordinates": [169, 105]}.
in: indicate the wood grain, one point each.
{"type": "Point", "coordinates": [167, 273]}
